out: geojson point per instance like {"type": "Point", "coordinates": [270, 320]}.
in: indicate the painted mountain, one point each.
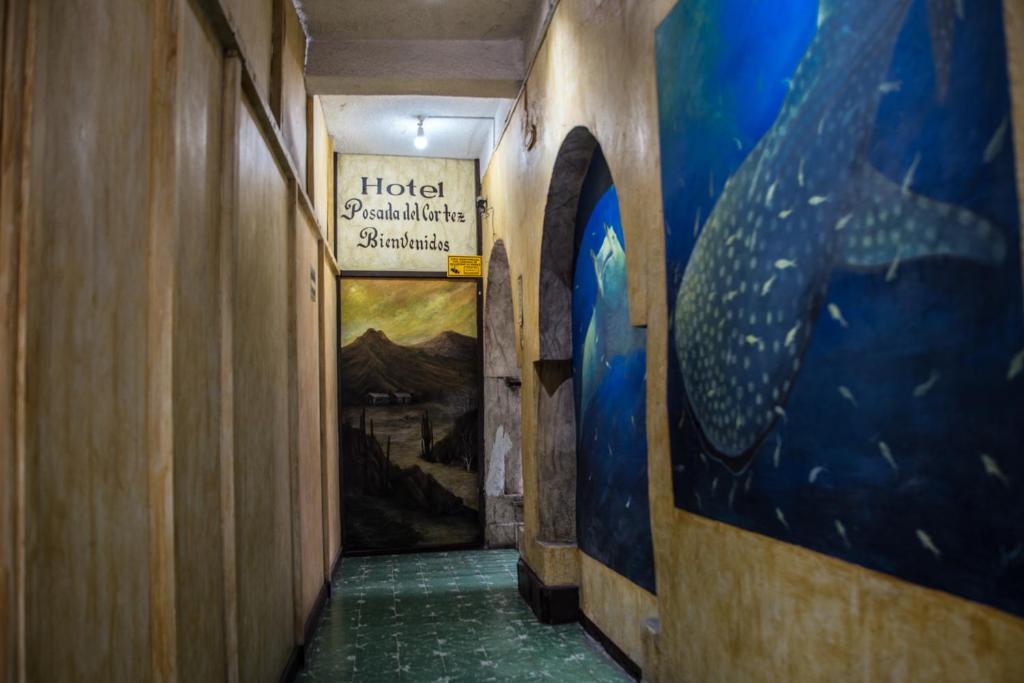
{"type": "Point", "coordinates": [433, 369]}
{"type": "Point", "coordinates": [450, 344]}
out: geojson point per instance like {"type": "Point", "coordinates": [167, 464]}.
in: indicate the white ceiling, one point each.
{"type": "Point", "coordinates": [386, 124]}
{"type": "Point", "coordinates": [419, 19]}
{"type": "Point", "coordinates": [453, 48]}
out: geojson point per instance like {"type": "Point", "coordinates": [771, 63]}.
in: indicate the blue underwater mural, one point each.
{"type": "Point", "coordinates": [610, 365]}
{"type": "Point", "coordinates": [846, 343]}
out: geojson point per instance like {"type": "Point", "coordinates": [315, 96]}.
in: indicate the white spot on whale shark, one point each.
{"type": "Point", "coordinates": [859, 220]}
{"type": "Point", "coordinates": [609, 333]}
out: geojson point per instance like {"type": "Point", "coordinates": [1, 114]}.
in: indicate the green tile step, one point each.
{"type": "Point", "coordinates": [453, 617]}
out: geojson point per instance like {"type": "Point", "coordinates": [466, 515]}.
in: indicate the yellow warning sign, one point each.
{"type": "Point", "coordinates": [465, 266]}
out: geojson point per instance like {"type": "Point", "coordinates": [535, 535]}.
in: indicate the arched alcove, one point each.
{"type": "Point", "coordinates": [556, 415]}
{"type": "Point", "coordinates": [591, 422]}
{"type": "Point", "coordinates": [503, 466]}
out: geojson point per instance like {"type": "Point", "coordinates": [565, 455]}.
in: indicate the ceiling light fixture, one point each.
{"type": "Point", "coordinates": [421, 139]}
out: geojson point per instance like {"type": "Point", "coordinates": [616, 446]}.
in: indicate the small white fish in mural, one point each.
{"type": "Point", "coordinates": [886, 452]}
{"type": "Point", "coordinates": [842, 533]}
{"type": "Point", "coordinates": [908, 178]}
{"type": "Point", "coordinates": [1016, 366]}
{"type": "Point", "coordinates": [696, 222]}
{"type": "Point", "coordinates": [754, 341]}
{"type": "Point", "coordinates": [815, 473]}
{"type": "Point", "coordinates": [785, 264]}
{"type": "Point", "coordinates": [629, 501]}
{"type": "Point", "coordinates": [739, 144]}
{"type": "Point", "coordinates": [781, 517]}
{"type": "Point", "coordinates": [703, 458]}
{"type": "Point", "coordinates": [700, 505]}
{"type": "Point", "coordinates": [729, 296]}
{"type": "Point", "coordinates": [848, 395]}
{"type": "Point", "coordinates": [894, 267]}
{"type": "Point", "coordinates": [821, 125]}
{"type": "Point", "coordinates": [732, 493]}
{"type": "Point", "coordinates": [778, 451]}
{"type": "Point", "coordinates": [928, 543]}
{"type": "Point", "coordinates": [844, 221]}
{"type": "Point", "coordinates": [791, 335]}
{"type": "Point", "coordinates": [770, 194]}
{"type": "Point", "coordinates": [837, 315]}
{"type": "Point", "coordinates": [733, 237]}
{"type": "Point", "coordinates": [995, 145]}
{"type": "Point", "coordinates": [785, 213]}
{"type": "Point", "coordinates": [767, 286]}
{"type": "Point", "coordinates": [922, 389]}
{"type": "Point", "coordinates": [817, 200]}
{"type": "Point", "coordinates": [800, 172]}
{"type": "Point", "coordinates": [992, 469]}
{"type": "Point", "coordinates": [890, 86]}
{"type": "Point", "coordinates": [714, 486]}
{"type": "Point", "coordinates": [781, 412]}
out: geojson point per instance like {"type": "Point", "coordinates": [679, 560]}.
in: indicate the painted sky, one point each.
{"type": "Point", "coordinates": [408, 311]}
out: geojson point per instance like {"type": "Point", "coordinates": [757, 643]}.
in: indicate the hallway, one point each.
{"type": "Point", "coordinates": [444, 617]}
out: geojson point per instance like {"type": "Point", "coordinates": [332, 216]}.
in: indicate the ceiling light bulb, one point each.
{"type": "Point", "coordinates": [421, 139]}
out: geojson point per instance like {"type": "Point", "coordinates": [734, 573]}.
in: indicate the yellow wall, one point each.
{"type": "Point", "coordinates": [733, 606]}
{"type": "Point", "coordinates": [166, 479]}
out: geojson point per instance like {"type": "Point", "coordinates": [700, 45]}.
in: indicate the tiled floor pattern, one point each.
{"type": "Point", "coordinates": [444, 617]}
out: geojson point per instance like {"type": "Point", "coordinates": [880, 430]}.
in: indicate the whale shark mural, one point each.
{"type": "Point", "coordinates": [842, 241]}
{"type": "Point", "coordinates": [609, 363]}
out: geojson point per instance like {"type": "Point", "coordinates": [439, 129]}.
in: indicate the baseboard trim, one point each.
{"type": "Point", "coordinates": [550, 604]}
{"type": "Point", "coordinates": [613, 650]}
{"type": "Point", "coordinates": [313, 618]}
{"type": "Point", "coordinates": [293, 666]}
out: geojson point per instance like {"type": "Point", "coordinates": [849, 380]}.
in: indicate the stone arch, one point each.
{"type": "Point", "coordinates": [503, 466]}
{"type": "Point", "coordinates": [556, 415]}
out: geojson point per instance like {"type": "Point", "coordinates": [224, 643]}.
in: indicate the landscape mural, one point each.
{"type": "Point", "coordinates": [409, 373]}
{"type": "Point", "coordinates": [846, 344]}
{"type": "Point", "coordinates": [610, 364]}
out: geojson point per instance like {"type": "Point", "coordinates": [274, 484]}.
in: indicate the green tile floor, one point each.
{"type": "Point", "coordinates": [444, 617]}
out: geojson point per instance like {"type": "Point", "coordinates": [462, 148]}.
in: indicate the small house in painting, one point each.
{"type": "Point", "coordinates": [374, 398]}
{"type": "Point", "coordinates": [402, 398]}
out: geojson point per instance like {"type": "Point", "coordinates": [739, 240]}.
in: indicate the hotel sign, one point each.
{"type": "Point", "coordinates": [404, 214]}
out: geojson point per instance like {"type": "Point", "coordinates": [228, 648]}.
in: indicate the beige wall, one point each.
{"type": "Point", "coordinates": [291, 110]}
{"type": "Point", "coordinates": [305, 401]}
{"type": "Point", "coordinates": [733, 606]}
{"type": "Point", "coordinates": [148, 269]}
{"type": "Point", "coordinates": [253, 21]}
{"type": "Point", "coordinates": [329, 437]}
{"type": "Point", "coordinates": [86, 462]}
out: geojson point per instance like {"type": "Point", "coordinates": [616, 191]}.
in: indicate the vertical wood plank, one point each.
{"type": "Point", "coordinates": [228, 240]}
{"type": "Point", "coordinates": [325, 489]}
{"type": "Point", "coordinates": [16, 88]}
{"type": "Point", "coordinates": [293, 409]}
{"type": "Point", "coordinates": [160, 248]}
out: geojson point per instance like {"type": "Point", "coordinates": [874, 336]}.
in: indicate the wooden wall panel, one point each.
{"type": "Point", "coordinates": [13, 31]}
{"type": "Point", "coordinates": [262, 490]}
{"type": "Point", "coordinates": [88, 588]}
{"type": "Point", "coordinates": [197, 385]}
{"type": "Point", "coordinates": [320, 182]}
{"type": "Point", "coordinates": [331, 466]}
{"type": "Point", "coordinates": [309, 509]}
{"type": "Point", "coordinates": [254, 21]}
{"type": "Point", "coordinates": [292, 117]}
